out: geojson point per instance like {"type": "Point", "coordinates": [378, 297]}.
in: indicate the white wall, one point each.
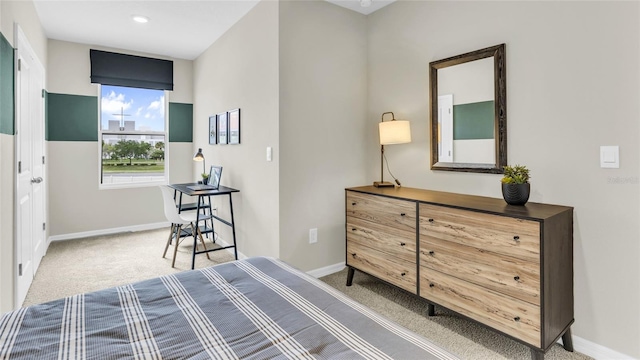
{"type": "Point", "coordinates": [573, 85]}
{"type": "Point", "coordinates": [240, 70]}
{"type": "Point", "coordinates": [23, 13]}
{"type": "Point", "coordinates": [323, 94]}
{"type": "Point", "coordinates": [76, 205]}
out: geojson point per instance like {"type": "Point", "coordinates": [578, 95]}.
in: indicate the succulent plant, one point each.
{"type": "Point", "coordinates": [518, 174]}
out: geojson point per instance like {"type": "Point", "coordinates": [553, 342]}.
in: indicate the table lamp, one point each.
{"type": "Point", "coordinates": [391, 132]}
{"type": "Point", "coordinates": [200, 157]}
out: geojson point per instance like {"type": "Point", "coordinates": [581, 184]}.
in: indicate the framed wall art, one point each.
{"type": "Point", "coordinates": [234, 127]}
{"type": "Point", "coordinates": [222, 128]}
{"type": "Point", "coordinates": [213, 129]}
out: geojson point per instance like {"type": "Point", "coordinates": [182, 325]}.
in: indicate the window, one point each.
{"type": "Point", "coordinates": [133, 131]}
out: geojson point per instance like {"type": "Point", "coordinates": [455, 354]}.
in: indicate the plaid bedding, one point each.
{"type": "Point", "coordinates": [258, 308]}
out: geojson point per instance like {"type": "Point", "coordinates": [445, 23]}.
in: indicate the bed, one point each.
{"type": "Point", "coordinates": [257, 308]}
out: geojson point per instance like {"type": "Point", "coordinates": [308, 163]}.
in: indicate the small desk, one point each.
{"type": "Point", "coordinates": [201, 194]}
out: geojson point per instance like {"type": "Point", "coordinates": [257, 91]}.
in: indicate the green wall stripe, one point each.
{"type": "Point", "coordinates": [72, 118]}
{"type": "Point", "coordinates": [75, 118]}
{"type": "Point", "coordinates": [7, 111]}
{"type": "Point", "coordinates": [473, 120]}
{"type": "Point", "coordinates": [181, 122]}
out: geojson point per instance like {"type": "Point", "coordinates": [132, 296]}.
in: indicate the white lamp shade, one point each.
{"type": "Point", "coordinates": [394, 132]}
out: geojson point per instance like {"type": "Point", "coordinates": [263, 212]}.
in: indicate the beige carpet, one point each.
{"type": "Point", "coordinates": [76, 266]}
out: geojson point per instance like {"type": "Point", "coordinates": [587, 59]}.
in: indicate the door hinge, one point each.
{"type": "Point", "coordinates": [19, 269]}
{"type": "Point", "coordinates": [19, 167]}
{"type": "Point", "coordinates": [43, 93]}
{"type": "Point", "coordinates": [43, 160]}
{"type": "Point", "coordinates": [19, 64]}
{"type": "Point", "coordinates": [44, 226]}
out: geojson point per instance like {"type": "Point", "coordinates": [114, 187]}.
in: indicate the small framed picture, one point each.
{"type": "Point", "coordinates": [234, 126]}
{"type": "Point", "coordinates": [213, 129]}
{"type": "Point", "coordinates": [222, 128]}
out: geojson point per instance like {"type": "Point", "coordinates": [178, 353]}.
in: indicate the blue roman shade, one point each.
{"type": "Point", "coordinates": [108, 68]}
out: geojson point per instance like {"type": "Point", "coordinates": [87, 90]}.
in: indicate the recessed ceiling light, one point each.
{"type": "Point", "coordinates": [140, 19]}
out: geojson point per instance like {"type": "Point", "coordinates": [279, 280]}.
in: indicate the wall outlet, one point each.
{"type": "Point", "coordinates": [313, 236]}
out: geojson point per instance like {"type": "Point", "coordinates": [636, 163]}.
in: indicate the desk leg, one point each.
{"type": "Point", "coordinates": [195, 239]}
{"type": "Point", "coordinates": [233, 227]}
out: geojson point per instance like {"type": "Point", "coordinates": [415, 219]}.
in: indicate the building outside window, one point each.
{"type": "Point", "coordinates": [133, 133]}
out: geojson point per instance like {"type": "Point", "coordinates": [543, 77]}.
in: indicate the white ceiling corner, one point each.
{"type": "Point", "coordinates": [355, 5]}
{"type": "Point", "coordinates": [181, 29]}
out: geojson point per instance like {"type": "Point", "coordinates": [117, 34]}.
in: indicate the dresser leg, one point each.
{"type": "Point", "coordinates": [537, 354]}
{"type": "Point", "coordinates": [350, 276]}
{"type": "Point", "coordinates": [567, 341]}
{"type": "Point", "coordinates": [431, 309]}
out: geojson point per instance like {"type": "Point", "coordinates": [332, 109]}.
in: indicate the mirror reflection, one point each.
{"type": "Point", "coordinates": [468, 112]}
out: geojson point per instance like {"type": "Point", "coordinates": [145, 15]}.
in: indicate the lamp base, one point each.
{"type": "Point", "coordinates": [382, 184]}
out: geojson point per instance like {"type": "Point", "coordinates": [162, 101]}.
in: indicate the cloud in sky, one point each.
{"type": "Point", "coordinates": [155, 109]}
{"type": "Point", "coordinates": [114, 103]}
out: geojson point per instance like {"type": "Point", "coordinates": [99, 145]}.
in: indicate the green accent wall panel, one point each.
{"type": "Point", "coordinates": [181, 122]}
{"type": "Point", "coordinates": [71, 117]}
{"type": "Point", "coordinates": [7, 111]}
{"type": "Point", "coordinates": [473, 120]}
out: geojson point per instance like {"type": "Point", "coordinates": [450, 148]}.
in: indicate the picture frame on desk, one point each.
{"type": "Point", "coordinates": [223, 126]}
{"type": "Point", "coordinates": [213, 129]}
{"type": "Point", "coordinates": [234, 126]}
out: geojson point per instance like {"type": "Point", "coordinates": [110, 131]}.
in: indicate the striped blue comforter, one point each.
{"type": "Point", "coordinates": [259, 308]}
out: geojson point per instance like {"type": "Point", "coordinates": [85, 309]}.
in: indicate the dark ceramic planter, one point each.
{"type": "Point", "coordinates": [516, 194]}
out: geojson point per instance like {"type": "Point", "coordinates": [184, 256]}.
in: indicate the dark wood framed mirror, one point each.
{"type": "Point", "coordinates": [469, 111]}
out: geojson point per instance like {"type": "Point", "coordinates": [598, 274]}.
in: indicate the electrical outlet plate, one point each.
{"type": "Point", "coordinates": [313, 236]}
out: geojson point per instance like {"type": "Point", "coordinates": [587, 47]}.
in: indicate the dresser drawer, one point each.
{"type": "Point", "coordinates": [397, 243]}
{"type": "Point", "coordinates": [504, 274]}
{"type": "Point", "coordinates": [499, 234]}
{"type": "Point", "coordinates": [392, 213]}
{"type": "Point", "coordinates": [395, 271]}
{"type": "Point", "coordinates": [504, 313]}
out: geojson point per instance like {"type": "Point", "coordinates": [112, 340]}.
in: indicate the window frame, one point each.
{"type": "Point", "coordinates": [101, 132]}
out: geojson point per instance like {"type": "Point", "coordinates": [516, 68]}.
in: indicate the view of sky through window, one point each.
{"type": "Point", "coordinates": [143, 106]}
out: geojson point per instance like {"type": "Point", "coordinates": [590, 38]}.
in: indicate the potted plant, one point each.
{"type": "Point", "coordinates": [515, 185]}
{"type": "Point", "coordinates": [205, 178]}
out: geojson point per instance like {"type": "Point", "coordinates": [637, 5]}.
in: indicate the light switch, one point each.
{"type": "Point", "coordinates": [269, 153]}
{"type": "Point", "coordinates": [610, 157]}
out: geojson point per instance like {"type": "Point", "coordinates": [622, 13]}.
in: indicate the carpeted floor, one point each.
{"type": "Point", "coordinates": [76, 266]}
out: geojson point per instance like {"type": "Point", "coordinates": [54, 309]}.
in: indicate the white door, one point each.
{"type": "Point", "coordinates": [30, 190]}
{"type": "Point", "coordinates": [445, 128]}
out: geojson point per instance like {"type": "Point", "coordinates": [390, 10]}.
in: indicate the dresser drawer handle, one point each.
{"type": "Point", "coordinates": [516, 278]}
{"type": "Point", "coordinates": [403, 244]}
{"type": "Point", "coordinates": [517, 318]}
{"type": "Point", "coordinates": [354, 204]}
{"type": "Point", "coordinates": [402, 214]}
{"type": "Point", "coordinates": [403, 274]}
{"type": "Point", "coordinates": [431, 252]}
{"type": "Point", "coordinates": [353, 229]}
{"type": "Point", "coordinates": [432, 285]}
{"type": "Point", "coordinates": [516, 238]}
{"type": "Point", "coordinates": [430, 220]}
{"type": "Point", "coordinates": [354, 255]}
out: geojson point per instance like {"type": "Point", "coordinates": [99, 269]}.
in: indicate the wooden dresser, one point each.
{"type": "Point", "coordinates": [507, 267]}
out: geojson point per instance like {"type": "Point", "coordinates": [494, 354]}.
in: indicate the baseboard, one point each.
{"type": "Point", "coordinates": [111, 231]}
{"type": "Point", "coordinates": [596, 351]}
{"type": "Point", "coordinates": [327, 270]}
{"type": "Point", "coordinates": [220, 241]}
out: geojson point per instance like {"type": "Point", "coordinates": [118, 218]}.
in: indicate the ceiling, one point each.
{"type": "Point", "coordinates": [181, 29]}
